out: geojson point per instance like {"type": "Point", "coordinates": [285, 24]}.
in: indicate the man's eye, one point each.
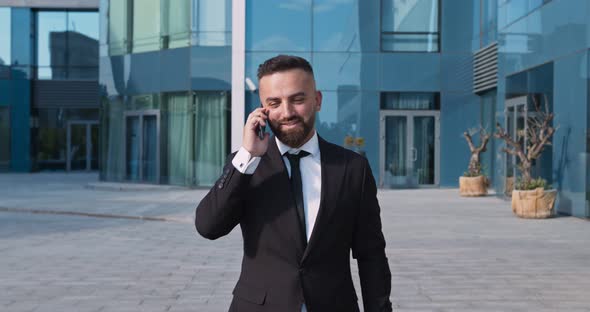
{"type": "Point", "coordinates": [273, 104]}
{"type": "Point", "coordinates": [298, 100]}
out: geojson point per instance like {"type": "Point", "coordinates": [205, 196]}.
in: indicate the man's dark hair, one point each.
{"type": "Point", "coordinates": [282, 63]}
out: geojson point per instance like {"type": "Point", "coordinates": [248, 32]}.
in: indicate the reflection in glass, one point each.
{"type": "Point", "coordinates": [117, 27]}
{"type": "Point", "coordinates": [51, 139]}
{"type": "Point", "coordinates": [278, 25]}
{"type": "Point", "coordinates": [410, 101]}
{"type": "Point", "coordinates": [213, 19]}
{"type": "Point", "coordinates": [78, 146]}
{"type": "Point", "coordinates": [150, 148]}
{"type": "Point", "coordinates": [84, 23]}
{"type": "Point", "coordinates": [51, 42]}
{"type": "Point", "coordinates": [210, 135]}
{"type": "Point", "coordinates": [5, 36]}
{"type": "Point", "coordinates": [336, 25]}
{"type": "Point", "coordinates": [94, 132]}
{"type": "Point", "coordinates": [409, 42]}
{"type": "Point", "coordinates": [196, 130]}
{"type": "Point", "coordinates": [410, 25]}
{"type": "Point", "coordinates": [178, 132]}
{"type": "Point", "coordinates": [175, 23]}
{"type": "Point", "coordinates": [146, 25]}
{"type": "Point", "coordinates": [511, 10]}
{"type": "Point", "coordinates": [67, 45]}
{"type": "Point", "coordinates": [132, 143]}
{"type": "Point", "coordinates": [423, 151]}
{"type": "Point", "coordinates": [113, 140]}
{"type": "Point", "coordinates": [396, 146]}
{"type": "Point", "coordinates": [82, 46]}
{"type": "Point", "coordinates": [4, 137]}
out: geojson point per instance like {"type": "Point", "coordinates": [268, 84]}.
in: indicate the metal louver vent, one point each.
{"type": "Point", "coordinates": [485, 68]}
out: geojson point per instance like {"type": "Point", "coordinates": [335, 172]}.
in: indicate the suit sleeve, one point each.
{"type": "Point", "coordinates": [369, 248]}
{"type": "Point", "coordinates": [221, 209]}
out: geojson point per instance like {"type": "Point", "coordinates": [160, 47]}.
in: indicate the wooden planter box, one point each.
{"type": "Point", "coordinates": [473, 186]}
{"type": "Point", "coordinates": [534, 204]}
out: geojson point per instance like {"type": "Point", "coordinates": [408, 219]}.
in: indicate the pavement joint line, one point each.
{"type": "Point", "coordinates": [88, 214]}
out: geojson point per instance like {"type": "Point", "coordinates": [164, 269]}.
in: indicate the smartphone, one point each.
{"type": "Point", "coordinates": [261, 129]}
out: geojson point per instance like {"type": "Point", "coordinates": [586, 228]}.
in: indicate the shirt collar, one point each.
{"type": "Point", "coordinates": [311, 146]}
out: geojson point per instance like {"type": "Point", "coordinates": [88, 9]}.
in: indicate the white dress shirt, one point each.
{"type": "Point", "coordinates": [311, 176]}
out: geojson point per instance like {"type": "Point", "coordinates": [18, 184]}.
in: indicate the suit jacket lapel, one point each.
{"type": "Point", "coordinates": [333, 170]}
{"type": "Point", "coordinates": [272, 164]}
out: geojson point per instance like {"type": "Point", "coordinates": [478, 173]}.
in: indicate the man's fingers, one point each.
{"type": "Point", "coordinates": [256, 121]}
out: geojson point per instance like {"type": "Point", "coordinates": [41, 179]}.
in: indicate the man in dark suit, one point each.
{"type": "Point", "coordinates": [302, 204]}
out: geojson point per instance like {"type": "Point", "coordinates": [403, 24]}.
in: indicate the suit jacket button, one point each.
{"type": "Point", "coordinates": [220, 186]}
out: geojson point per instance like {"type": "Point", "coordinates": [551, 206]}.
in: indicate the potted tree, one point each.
{"type": "Point", "coordinates": [474, 182]}
{"type": "Point", "coordinates": [531, 197]}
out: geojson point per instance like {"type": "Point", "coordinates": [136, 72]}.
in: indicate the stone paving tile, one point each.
{"type": "Point", "coordinates": [446, 254]}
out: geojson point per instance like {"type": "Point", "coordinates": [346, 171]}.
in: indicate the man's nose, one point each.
{"type": "Point", "coordinates": [287, 110]}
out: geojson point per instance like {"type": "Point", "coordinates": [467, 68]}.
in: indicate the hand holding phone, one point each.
{"type": "Point", "coordinates": [255, 138]}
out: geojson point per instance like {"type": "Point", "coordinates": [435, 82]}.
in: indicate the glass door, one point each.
{"type": "Point", "coordinates": [409, 149]}
{"type": "Point", "coordinates": [82, 144]}
{"type": "Point", "coordinates": [423, 150]}
{"type": "Point", "coordinates": [149, 160]}
{"type": "Point", "coordinates": [77, 147]}
{"type": "Point", "coordinates": [132, 148]}
{"type": "Point", "coordinates": [142, 146]}
{"type": "Point", "coordinates": [516, 113]}
{"type": "Point", "coordinates": [395, 171]}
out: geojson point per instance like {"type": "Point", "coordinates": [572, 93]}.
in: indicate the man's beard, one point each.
{"type": "Point", "coordinates": [294, 137]}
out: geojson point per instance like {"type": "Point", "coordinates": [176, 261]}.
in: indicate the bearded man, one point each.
{"type": "Point", "coordinates": [302, 203]}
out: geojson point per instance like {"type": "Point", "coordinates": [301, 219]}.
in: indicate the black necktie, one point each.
{"type": "Point", "coordinates": [297, 188]}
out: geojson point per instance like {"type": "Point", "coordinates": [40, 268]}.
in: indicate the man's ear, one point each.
{"type": "Point", "coordinates": [318, 99]}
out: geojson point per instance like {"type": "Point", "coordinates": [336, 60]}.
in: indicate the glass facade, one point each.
{"type": "Point", "coordinates": [136, 26]}
{"type": "Point", "coordinates": [410, 26]}
{"type": "Point", "coordinates": [5, 36]}
{"type": "Point", "coordinates": [544, 55]}
{"type": "Point", "coordinates": [512, 10]}
{"type": "Point", "coordinates": [56, 132]}
{"type": "Point", "coordinates": [67, 45]}
{"type": "Point", "coordinates": [179, 138]}
{"type": "Point", "coordinates": [397, 109]}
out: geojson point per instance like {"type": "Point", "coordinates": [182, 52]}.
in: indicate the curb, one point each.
{"type": "Point", "coordinates": [97, 215]}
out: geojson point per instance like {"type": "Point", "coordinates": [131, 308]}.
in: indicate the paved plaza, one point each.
{"type": "Point", "coordinates": [69, 243]}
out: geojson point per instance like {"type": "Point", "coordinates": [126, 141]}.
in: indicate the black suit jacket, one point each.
{"type": "Point", "coordinates": [278, 272]}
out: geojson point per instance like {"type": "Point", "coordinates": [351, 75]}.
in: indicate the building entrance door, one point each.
{"type": "Point", "coordinates": [409, 148]}
{"type": "Point", "coordinates": [142, 145]}
{"type": "Point", "coordinates": [82, 145]}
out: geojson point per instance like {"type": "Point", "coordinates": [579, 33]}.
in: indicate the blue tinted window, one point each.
{"type": "Point", "coordinates": [336, 26]}
{"type": "Point", "coordinates": [410, 101]}
{"type": "Point", "coordinates": [212, 22]}
{"type": "Point", "coordinates": [5, 35]}
{"type": "Point", "coordinates": [512, 10]}
{"type": "Point", "coordinates": [283, 25]}
{"type": "Point", "coordinates": [67, 45]}
{"type": "Point", "coordinates": [410, 25]}
{"type": "Point", "coordinates": [51, 42]}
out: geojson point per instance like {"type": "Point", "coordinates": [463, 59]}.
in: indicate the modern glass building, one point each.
{"type": "Point", "coordinates": [49, 99]}
{"type": "Point", "coordinates": [402, 80]}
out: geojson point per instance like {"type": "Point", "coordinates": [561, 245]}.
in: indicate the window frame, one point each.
{"type": "Point", "coordinates": [381, 32]}
{"type": "Point", "coordinates": [35, 44]}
